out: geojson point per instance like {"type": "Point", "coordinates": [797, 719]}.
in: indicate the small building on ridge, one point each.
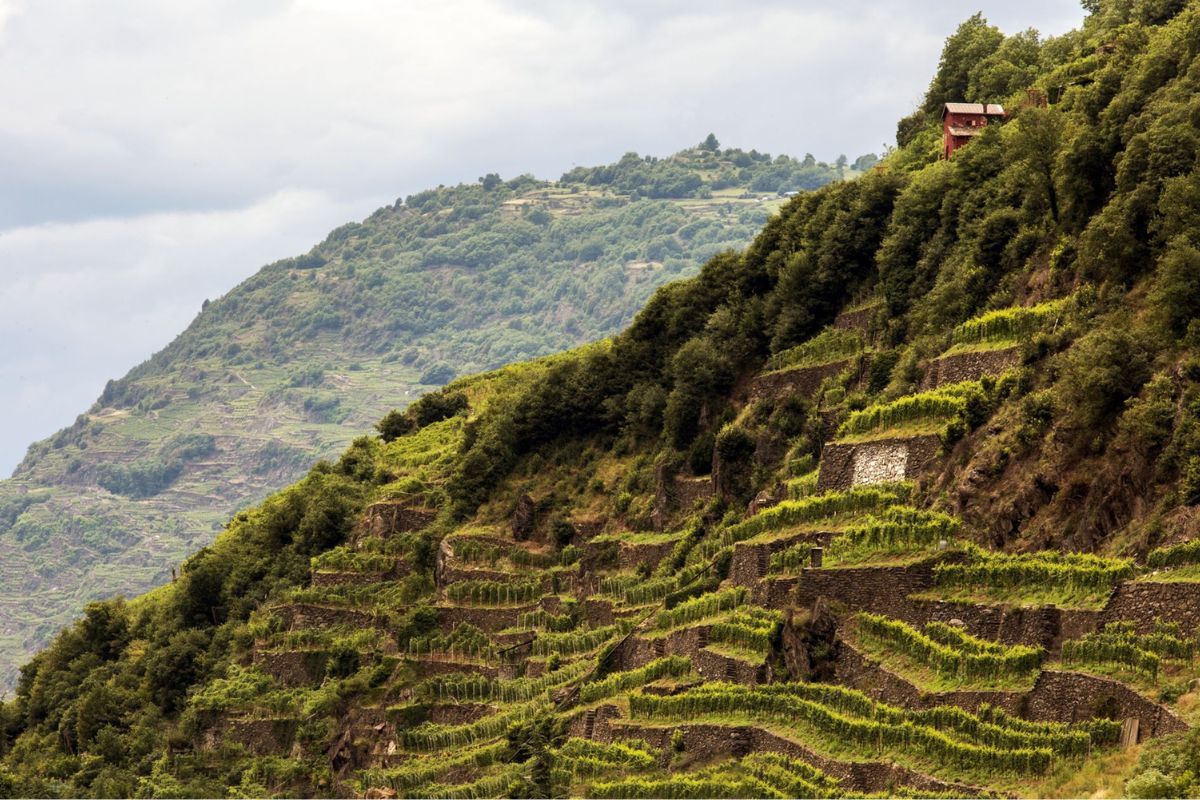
{"type": "Point", "coordinates": [961, 121]}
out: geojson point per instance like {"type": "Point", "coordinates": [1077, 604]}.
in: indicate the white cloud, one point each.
{"type": "Point", "coordinates": [83, 302]}
{"type": "Point", "coordinates": [126, 123]}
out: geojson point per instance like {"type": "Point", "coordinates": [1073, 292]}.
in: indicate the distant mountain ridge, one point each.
{"type": "Point", "coordinates": [311, 351]}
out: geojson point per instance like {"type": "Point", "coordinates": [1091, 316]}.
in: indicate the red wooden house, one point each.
{"type": "Point", "coordinates": [961, 121]}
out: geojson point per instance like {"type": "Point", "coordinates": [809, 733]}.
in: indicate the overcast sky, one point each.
{"type": "Point", "coordinates": [153, 153]}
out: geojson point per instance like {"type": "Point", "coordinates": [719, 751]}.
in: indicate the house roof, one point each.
{"type": "Point", "coordinates": [991, 109]}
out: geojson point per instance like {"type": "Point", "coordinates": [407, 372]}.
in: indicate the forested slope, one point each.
{"type": "Point", "coordinates": [900, 500]}
{"type": "Point", "coordinates": [293, 363]}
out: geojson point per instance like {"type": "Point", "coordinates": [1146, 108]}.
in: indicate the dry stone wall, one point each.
{"type": "Point", "coordinates": [1061, 696]}
{"type": "Point", "coordinates": [969, 366]}
{"type": "Point", "coordinates": [844, 465]}
{"type": "Point", "coordinates": [1145, 602]}
{"type": "Point", "coordinates": [882, 590]}
{"type": "Point", "coordinates": [803, 381]}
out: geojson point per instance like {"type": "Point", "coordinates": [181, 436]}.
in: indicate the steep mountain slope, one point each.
{"type": "Point", "coordinates": [899, 500]}
{"type": "Point", "coordinates": [290, 365]}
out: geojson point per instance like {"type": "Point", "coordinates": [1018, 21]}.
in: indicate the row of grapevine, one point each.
{"type": "Point", "coordinates": [1120, 644]}
{"type": "Point", "coordinates": [468, 688]}
{"type": "Point", "coordinates": [700, 607]}
{"type": "Point", "coordinates": [803, 486]}
{"type": "Point", "coordinates": [971, 661]}
{"type": "Point", "coordinates": [828, 506]}
{"type": "Point", "coordinates": [541, 619]}
{"type": "Point", "coordinates": [494, 593]}
{"type": "Point", "coordinates": [622, 681]}
{"type": "Point", "coordinates": [634, 590]}
{"type": "Point", "coordinates": [896, 527]}
{"type": "Point", "coordinates": [575, 641]}
{"type": "Point", "coordinates": [586, 758]}
{"type": "Point", "coordinates": [465, 640]}
{"type": "Point", "coordinates": [792, 777]}
{"type": "Point", "coordinates": [345, 559]}
{"type": "Point", "coordinates": [425, 770]}
{"type": "Point", "coordinates": [1010, 323]}
{"type": "Point", "coordinates": [1101, 729]}
{"type": "Point", "coordinates": [1076, 571]}
{"type": "Point", "coordinates": [739, 634]}
{"type": "Point", "coordinates": [944, 403]}
{"type": "Point", "coordinates": [872, 734]}
{"type": "Point", "coordinates": [1065, 739]}
{"type": "Point", "coordinates": [1175, 555]}
{"type": "Point", "coordinates": [499, 784]}
{"type": "Point", "coordinates": [429, 736]}
{"type": "Point", "coordinates": [996, 731]}
{"type": "Point", "coordinates": [683, 787]}
{"type": "Point", "coordinates": [828, 346]}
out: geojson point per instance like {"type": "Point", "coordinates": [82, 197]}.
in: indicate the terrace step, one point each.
{"type": "Point", "coordinates": [969, 366]}
{"type": "Point", "coordinates": [802, 381]}
{"type": "Point", "coordinates": [589, 723]}
{"type": "Point", "coordinates": [709, 742]}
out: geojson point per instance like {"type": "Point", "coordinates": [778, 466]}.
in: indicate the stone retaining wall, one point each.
{"type": "Point", "coordinates": [969, 366]}
{"type": "Point", "coordinates": [750, 561]}
{"type": "Point", "coordinates": [883, 590]}
{"type": "Point", "coordinates": [259, 736]}
{"type": "Point", "coordinates": [293, 667]}
{"type": "Point", "coordinates": [1060, 696]}
{"type": "Point", "coordinates": [309, 615]}
{"type": "Point", "coordinates": [803, 381]}
{"type": "Point", "coordinates": [632, 555]}
{"type": "Point", "coordinates": [844, 466]}
{"type": "Point", "coordinates": [1143, 602]}
{"type": "Point", "coordinates": [1036, 626]}
{"type": "Point", "coordinates": [487, 618]}
{"type": "Point", "coordinates": [858, 320]}
{"type": "Point", "coordinates": [323, 578]}
{"type": "Point", "coordinates": [858, 671]}
{"type": "Point", "coordinates": [386, 519]}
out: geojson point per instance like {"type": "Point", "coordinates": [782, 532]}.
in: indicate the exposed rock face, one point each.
{"type": "Point", "coordinates": [524, 518]}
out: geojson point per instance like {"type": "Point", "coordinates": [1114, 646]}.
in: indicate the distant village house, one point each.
{"type": "Point", "coordinates": [961, 121]}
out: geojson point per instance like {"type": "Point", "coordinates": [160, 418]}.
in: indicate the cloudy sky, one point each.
{"type": "Point", "coordinates": [154, 153]}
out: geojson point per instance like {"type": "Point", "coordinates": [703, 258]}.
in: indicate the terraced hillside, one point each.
{"type": "Point", "coordinates": [292, 364]}
{"type": "Point", "coordinates": [899, 501]}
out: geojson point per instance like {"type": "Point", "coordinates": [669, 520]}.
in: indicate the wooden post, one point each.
{"type": "Point", "coordinates": [1129, 732]}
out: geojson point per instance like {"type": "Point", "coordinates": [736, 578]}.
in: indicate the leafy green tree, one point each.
{"type": "Point", "coordinates": [973, 42]}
